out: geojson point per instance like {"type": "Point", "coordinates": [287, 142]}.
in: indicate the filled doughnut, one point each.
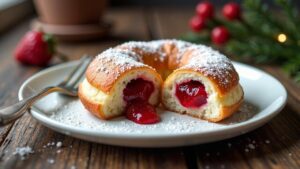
{"type": "Point", "coordinates": [186, 78]}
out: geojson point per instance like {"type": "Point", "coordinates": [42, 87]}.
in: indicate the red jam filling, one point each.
{"type": "Point", "coordinates": [138, 89]}
{"type": "Point", "coordinates": [142, 112]}
{"type": "Point", "coordinates": [191, 94]}
{"type": "Point", "coordinates": [136, 95]}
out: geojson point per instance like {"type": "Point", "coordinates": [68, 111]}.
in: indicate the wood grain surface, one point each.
{"type": "Point", "coordinates": [274, 145]}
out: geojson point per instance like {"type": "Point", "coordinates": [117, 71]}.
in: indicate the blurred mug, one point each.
{"type": "Point", "coordinates": [70, 12]}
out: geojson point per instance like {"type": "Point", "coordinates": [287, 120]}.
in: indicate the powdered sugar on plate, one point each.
{"type": "Point", "coordinates": [75, 115]}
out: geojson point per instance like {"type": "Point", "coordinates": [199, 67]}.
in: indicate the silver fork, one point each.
{"type": "Point", "coordinates": [67, 87]}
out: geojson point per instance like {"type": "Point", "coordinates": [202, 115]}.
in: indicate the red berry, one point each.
{"type": "Point", "coordinates": [205, 10]}
{"type": "Point", "coordinates": [220, 35]}
{"type": "Point", "coordinates": [33, 49]}
{"type": "Point", "coordinates": [141, 112]}
{"type": "Point", "coordinates": [197, 23]}
{"type": "Point", "coordinates": [231, 11]}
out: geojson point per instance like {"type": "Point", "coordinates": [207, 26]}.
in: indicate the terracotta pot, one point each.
{"type": "Point", "coordinates": [70, 12]}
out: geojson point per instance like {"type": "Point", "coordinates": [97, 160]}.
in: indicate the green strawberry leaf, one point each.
{"type": "Point", "coordinates": [49, 39]}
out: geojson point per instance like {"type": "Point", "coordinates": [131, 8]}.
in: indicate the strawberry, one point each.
{"type": "Point", "coordinates": [35, 48]}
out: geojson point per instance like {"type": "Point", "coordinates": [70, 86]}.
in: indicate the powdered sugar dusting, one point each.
{"type": "Point", "coordinates": [74, 114]}
{"type": "Point", "coordinates": [124, 59]}
{"type": "Point", "coordinates": [121, 59]}
{"type": "Point", "coordinates": [204, 59]}
{"type": "Point", "coordinates": [156, 47]}
{"type": "Point", "coordinates": [114, 61]}
{"type": "Point", "coordinates": [210, 63]}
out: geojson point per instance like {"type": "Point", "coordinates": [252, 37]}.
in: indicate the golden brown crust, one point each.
{"type": "Point", "coordinates": [105, 77]}
{"type": "Point", "coordinates": [93, 107]}
{"type": "Point", "coordinates": [227, 111]}
{"type": "Point", "coordinates": [96, 108]}
{"type": "Point", "coordinates": [151, 59]}
{"type": "Point", "coordinates": [217, 82]}
{"type": "Point", "coordinates": [104, 80]}
{"type": "Point", "coordinates": [172, 52]}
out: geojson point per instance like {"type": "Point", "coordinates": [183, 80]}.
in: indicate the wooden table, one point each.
{"type": "Point", "coordinates": [277, 144]}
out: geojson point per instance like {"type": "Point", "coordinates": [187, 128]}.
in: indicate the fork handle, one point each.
{"type": "Point", "coordinates": [13, 112]}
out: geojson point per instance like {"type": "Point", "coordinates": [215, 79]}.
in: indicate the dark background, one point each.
{"type": "Point", "coordinates": [176, 2]}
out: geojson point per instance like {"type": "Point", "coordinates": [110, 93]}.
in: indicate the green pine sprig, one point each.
{"type": "Point", "coordinates": [254, 38]}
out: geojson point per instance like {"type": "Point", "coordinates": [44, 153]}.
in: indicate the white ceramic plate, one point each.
{"type": "Point", "coordinates": [264, 98]}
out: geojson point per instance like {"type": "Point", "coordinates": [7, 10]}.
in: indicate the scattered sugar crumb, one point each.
{"type": "Point", "coordinates": [73, 167]}
{"type": "Point", "coordinates": [246, 150]}
{"type": "Point", "coordinates": [50, 160]}
{"type": "Point", "coordinates": [59, 144]}
{"type": "Point", "coordinates": [251, 146]}
{"type": "Point", "coordinates": [23, 151]}
{"type": "Point", "coordinates": [290, 154]}
{"type": "Point", "coordinates": [58, 151]}
{"type": "Point", "coordinates": [268, 141]}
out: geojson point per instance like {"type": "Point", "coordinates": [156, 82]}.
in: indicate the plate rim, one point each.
{"type": "Point", "coordinates": [238, 126]}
